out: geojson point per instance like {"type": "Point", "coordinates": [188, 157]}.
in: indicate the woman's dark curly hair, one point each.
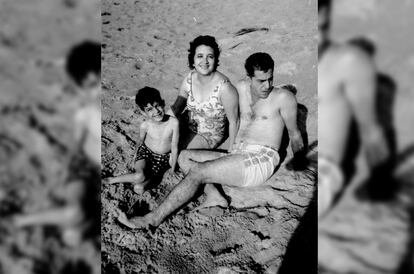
{"type": "Point", "coordinates": [205, 40]}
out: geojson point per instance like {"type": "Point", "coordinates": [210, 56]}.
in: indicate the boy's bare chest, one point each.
{"type": "Point", "coordinates": [159, 131]}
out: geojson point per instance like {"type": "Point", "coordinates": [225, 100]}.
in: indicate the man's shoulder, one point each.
{"type": "Point", "coordinates": [349, 55]}
{"type": "Point", "coordinates": [284, 92]}
{"type": "Point", "coordinates": [242, 85]}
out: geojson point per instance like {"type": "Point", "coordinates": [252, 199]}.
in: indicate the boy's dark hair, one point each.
{"type": "Point", "coordinates": [205, 40]}
{"type": "Point", "coordinates": [364, 44]}
{"type": "Point", "coordinates": [82, 59]}
{"type": "Point", "coordinates": [324, 4]}
{"type": "Point", "coordinates": [148, 95]}
{"type": "Point", "coordinates": [260, 61]}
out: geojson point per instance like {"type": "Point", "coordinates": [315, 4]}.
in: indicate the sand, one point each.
{"type": "Point", "coordinates": [36, 141]}
{"type": "Point", "coordinates": [374, 235]}
{"type": "Point", "coordinates": [145, 43]}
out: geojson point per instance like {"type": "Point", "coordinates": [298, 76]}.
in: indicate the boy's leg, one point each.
{"type": "Point", "coordinates": [66, 216]}
{"type": "Point", "coordinates": [136, 178]}
{"type": "Point", "coordinates": [139, 187]}
{"type": "Point", "coordinates": [227, 170]}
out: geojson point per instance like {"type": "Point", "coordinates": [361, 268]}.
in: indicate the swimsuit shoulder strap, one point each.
{"type": "Point", "coordinates": [220, 83]}
{"type": "Point", "coordinates": [190, 81]}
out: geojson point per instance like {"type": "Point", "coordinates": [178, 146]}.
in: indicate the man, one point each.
{"type": "Point", "coordinates": [346, 95]}
{"type": "Point", "coordinates": [264, 113]}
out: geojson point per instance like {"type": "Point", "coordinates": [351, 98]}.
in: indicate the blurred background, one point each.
{"type": "Point", "coordinates": [44, 170]}
{"type": "Point", "coordinates": [374, 234]}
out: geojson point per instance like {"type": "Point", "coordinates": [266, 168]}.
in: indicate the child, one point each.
{"type": "Point", "coordinates": [84, 68]}
{"type": "Point", "coordinates": [79, 195]}
{"type": "Point", "coordinates": [158, 137]}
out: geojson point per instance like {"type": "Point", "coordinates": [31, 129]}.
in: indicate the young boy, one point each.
{"type": "Point", "coordinates": [80, 195]}
{"type": "Point", "coordinates": [158, 147]}
{"type": "Point", "coordinates": [84, 68]}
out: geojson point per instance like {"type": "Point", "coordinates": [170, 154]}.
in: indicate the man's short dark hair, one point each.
{"type": "Point", "coordinates": [260, 61]}
{"type": "Point", "coordinates": [148, 95]}
{"type": "Point", "coordinates": [205, 40]}
{"type": "Point", "coordinates": [82, 59]}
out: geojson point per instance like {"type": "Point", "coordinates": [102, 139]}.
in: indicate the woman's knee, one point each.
{"type": "Point", "coordinates": [184, 161]}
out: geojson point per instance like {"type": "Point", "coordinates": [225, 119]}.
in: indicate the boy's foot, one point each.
{"type": "Point", "coordinates": [107, 180]}
{"type": "Point", "coordinates": [139, 189]}
{"type": "Point", "coordinates": [72, 236]}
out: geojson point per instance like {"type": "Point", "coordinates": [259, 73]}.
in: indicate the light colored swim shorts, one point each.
{"type": "Point", "coordinates": [260, 162]}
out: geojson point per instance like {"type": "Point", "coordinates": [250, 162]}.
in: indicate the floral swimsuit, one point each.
{"type": "Point", "coordinates": [208, 118]}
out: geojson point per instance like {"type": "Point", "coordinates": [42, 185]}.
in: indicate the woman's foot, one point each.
{"type": "Point", "coordinates": [135, 222]}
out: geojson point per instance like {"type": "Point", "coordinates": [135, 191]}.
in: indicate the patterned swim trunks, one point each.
{"type": "Point", "coordinates": [260, 162]}
{"type": "Point", "coordinates": [155, 162]}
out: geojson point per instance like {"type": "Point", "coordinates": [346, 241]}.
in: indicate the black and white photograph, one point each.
{"type": "Point", "coordinates": [209, 136]}
{"type": "Point", "coordinates": [50, 61]}
{"type": "Point", "coordinates": [365, 133]}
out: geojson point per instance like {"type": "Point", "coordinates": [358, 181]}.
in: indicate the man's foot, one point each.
{"type": "Point", "coordinates": [135, 222]}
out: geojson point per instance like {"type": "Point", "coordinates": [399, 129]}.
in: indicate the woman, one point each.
{"type": "Point", "coordinates": [210, 98]}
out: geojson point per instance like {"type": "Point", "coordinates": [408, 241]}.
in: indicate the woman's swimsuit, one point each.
{"type": "Point", "coordinates": [208, 118]}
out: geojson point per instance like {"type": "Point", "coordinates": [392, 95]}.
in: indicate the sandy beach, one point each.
{"type": "Point", "coordinates": [36, 130]}
{"type": "Point", "coordinates": [145, 43]}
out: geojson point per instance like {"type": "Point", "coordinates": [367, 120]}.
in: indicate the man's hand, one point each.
{"type": "Point", "coordinates": [299, 161]}
{"type": "Point", "coordinates": [375, 147]}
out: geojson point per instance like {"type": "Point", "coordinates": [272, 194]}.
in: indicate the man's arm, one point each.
{"type": "Point", "coordinates": [174, 143]}
{"type": "Point", "coordinates": [288, 112]}
{"type": "Point", "coordinates": [230, 100]}
{"type": "Point", "coordinates": [360, 91]}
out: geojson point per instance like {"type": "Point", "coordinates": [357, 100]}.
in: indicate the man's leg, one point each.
{"type": "Point", "coordinates": [188, 159]}
{"type": "Point", "coordinates": [227, 170]}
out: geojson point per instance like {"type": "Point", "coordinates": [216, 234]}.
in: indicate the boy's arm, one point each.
{"type": "Point", "coordinates": [174, 143]}
{"type": "Point", "coordinates": [142, 132]}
